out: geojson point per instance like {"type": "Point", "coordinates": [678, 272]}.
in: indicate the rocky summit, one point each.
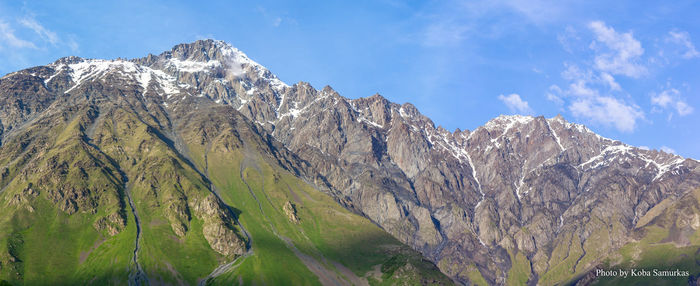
{"type": "Point", "coordinates": [200, 166]}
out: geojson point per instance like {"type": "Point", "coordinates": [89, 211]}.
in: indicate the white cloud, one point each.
{"type": "Point", "coordinates": [683, 108]}
{"type": "Point", "coordinates": [553, 95]}
{"type": "Point", "coordinates": [453, 22]}
{"type": "Point", "coordinates": [682, 39]}
{"type": "Point", "coordinates": [73, 44]}
{"type": "Point", "coordinates": [582, 80]}
{"type": "Point", "coordinates": [569, 40]}
{"type": "Point", "coordinates": [580, 88]}
{"type": "Point", "coordinates": [277, 22]}
{"type": "Point", "coordinates": [573, 72]}
{"type": "Point", "coordinates": [554, 98]}
{"type": "Point", "coordinates": [668, 149]}
{"type": "Point", "coordinates": [27, 25]}
{"type": "Point", "coordinates": [44, 33]}
{"type": "Point", "coordinates": [516, 104]}
{"type": "Point", "coordinates": [8, 37]}
{"type": "Point", "coordinates": [592, 92]}
{"type": "Point", "coordinates": [663, 99]}
{"type": "Point", "coordinates": [607, 111]}
{"type": "Point", "coordinates": [620, 52]}
{"type": "Point", "coordinates": [275, 17]}
{"type": "Point", "coordinates": [537, 11]}
{"type": "Point", "coordinates": [610, 80]}
{"type": "Point", "coordinates": [671, 98]}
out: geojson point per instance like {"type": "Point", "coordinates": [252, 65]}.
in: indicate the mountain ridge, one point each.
{"type": "Point", "coordinates": [96, 169]}
{"type": "Point", "coordinates": [481, 204]}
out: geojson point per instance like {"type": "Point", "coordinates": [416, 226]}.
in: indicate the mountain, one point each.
{"type": "Point", "coordinates": [200, 153]}
{"type": "Point", "coordinates": [111, 172]}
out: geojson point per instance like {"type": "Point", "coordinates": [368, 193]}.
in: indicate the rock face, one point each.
{"type": "Point", "coordinates": [291, 212]}
{"type": "Point", "coordinates": [541, 193]}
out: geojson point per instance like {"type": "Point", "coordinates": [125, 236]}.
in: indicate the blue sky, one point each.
{"type": "Point", "coordinates": [630, 70]}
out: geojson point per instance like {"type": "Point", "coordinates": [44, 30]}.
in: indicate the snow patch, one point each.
{"type": "Point", "coordinates": [506, 122]}
{"type": "Point", "coordinates": [97, 69]}
{"type": "Point", "coordinates": [476, 179]}
{"type": "Point", "coordinates": [370, 122]}
{"type": "Point", "coordinates": [615, 152]}
{"type": "Point", "coordinates": [554, 134]}
{"type": "Point", "coordinates": [58, 70]}
{"type": "Point", "coordinates": [523, 173]}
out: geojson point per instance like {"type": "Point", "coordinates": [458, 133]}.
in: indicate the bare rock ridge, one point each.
{"type": "Point", "coordinates": [519, 191]}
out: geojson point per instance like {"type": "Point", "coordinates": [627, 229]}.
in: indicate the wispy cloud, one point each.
{"type": "Point", "coordinates": [588, 82]}
{"type": "Point", "coordinates": [537, 11]}
{"type": "Point", "coordinates": [553, 95]}
{"type": "Point", "coordinates": [24, 39]}
{"type": "Point", "coordinates": [617, 53]}
{"type": "Point", "coordinates": [42, 37]}
{"type": "Point", "coordinates": [8, 37]}
{"type": "Point", "coordinates": [592, 91]}
{"type": "Point", "coordinates": [516, 104]}
{"type": "Point", "coordinates": [682, 40]}
{"type": "Point", "coordinates": [591, 96]}
{"type": "Point", "coordinates": [671, 99]}
{"type": "Point", "coordinates": [444, 33]}
{"type": "Point", "coordinates": [277, 22]}
{"type": "Point", "coordinates": [275, 18]}
{"type": "Point", "coordinates": [72, 43]}
{"type": "Point", "coordinates": [40, 30]}
{"type": "Point", "coordinates": [610, 81]}
{"type": "Point", "coordinates": [609, 111]}
{"type": "Point", "coordinates": [453, 22]}
{"type": "Point", "coordinates": [569, 39]}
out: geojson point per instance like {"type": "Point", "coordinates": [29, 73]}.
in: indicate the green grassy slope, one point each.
{"type": "Point", "coordinates": [70, 219]}
{"type": "Point", "coordinates": [210, 205]}
{"type": "Point", "coordinates": [337, 244]}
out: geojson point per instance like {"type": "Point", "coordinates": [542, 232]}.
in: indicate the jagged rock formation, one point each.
{"type": "Point", "coordinates": [518, 200]}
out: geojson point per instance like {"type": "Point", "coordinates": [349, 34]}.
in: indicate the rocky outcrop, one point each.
{"type": "Point", "coordinates": [113, 223]}
{"type": "Point", "coordinates": [219, 227]}
{"type": "Point", "coordinates": [290, 211]}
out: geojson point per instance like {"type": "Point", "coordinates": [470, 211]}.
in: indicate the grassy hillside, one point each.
{"type": "Point", "coordinates": [317, 242]}
{"type": "Point", "coordinates": [105, 194]}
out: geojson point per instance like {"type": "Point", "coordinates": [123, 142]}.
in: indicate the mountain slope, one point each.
{"type": "Point", "coordinates": [519, 200]}
{"type": "Point", "coordinates": [512, 194]}
{"type": "Point", "coordinates": [105, 183]}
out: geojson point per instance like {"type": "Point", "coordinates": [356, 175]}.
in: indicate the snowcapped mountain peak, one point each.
{"type": "Point", "coordinates": [204, 55]}
{"type": "Point", "coordinates": [506, 122]}
{"type": "Point", "coordinates": [216, 57]}
{"type": "Point", "coordinates": [81, 70]}
{"type": "Point", "coordinates": [235, 54]}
